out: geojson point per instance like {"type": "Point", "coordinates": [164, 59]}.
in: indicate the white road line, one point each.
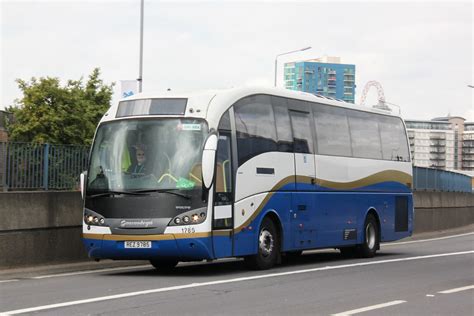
{"type": "Point", "coordinates": [256, 277]}
{"type": "Point", "coordinates": [459, 289]}
{"type": "Point", "coordinates": [424, 240]}
{"type": "Point", "coordinates": [7, 281]}
{"type": "Point", "coordinates": [369, 308]}
{"type": "Point", "coordinates": [90, 271]}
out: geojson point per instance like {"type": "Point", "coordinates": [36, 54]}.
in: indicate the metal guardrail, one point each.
{"type": "Point", "coordinates": [26, 166]}
{"type": "Point", "coordinates": [428, 179]}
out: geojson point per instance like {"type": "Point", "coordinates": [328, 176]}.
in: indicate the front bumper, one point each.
{"type": "Point", "coordinates": [181, 247]}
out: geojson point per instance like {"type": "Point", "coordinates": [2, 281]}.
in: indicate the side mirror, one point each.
{"type": "Point", "coordinates": [83, 183]}
{"type": "Point", "coordinates": [209, 160]}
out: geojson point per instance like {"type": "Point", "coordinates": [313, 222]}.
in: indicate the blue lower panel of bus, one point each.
{"type": "Point", "coordinates": [182, 249]}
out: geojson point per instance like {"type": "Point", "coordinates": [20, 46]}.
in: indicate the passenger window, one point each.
{"type": "Point", "coordinates": [224, 165]}
{"type": "Point", "coordinates": [303, 139]}
{"type": "Point", "coordinates": [254, 121]}
{"type": "Point", "coordinates": [332, 131]}
{"type": "Point", "coordinates": [394, 139]}
{"type": "Point", "coordinates": [364, 135]}
{"type": "Point", "coordinates": [283, 125]}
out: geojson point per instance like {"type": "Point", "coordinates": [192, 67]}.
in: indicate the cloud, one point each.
{"type": "Point", "coordinates": [420, 52]}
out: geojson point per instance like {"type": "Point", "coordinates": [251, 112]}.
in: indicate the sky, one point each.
{"type": "Point", "coordinates": [419, 51]}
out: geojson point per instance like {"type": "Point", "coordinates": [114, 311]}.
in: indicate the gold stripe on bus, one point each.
{"type": "Point", "coordinates": [383, 176]}
{"type": "Point", "coordinates": [145, 237]}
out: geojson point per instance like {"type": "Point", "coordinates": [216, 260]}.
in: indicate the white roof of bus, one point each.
{"type": "Point", "coordinates": [211, 104]}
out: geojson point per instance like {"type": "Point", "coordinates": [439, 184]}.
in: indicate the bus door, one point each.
{"type": "Point", "coordinates": [223, 219]}
{"type": "Point", "coordinates": [303, 212]}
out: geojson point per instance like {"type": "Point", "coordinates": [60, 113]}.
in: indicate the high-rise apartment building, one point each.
{"type": "Point", "coordinates": [324, 76]}
{"type": "Point", "coordinates": [444, 143]}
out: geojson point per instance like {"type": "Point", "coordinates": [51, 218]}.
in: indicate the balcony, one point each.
{"type": "Point", "coordinates": [438, 144]}
{"type": "Point", "coordinates": [438, 137]}
{"type": "Point", "coordinates": [467, 158]}
{"type": "Point", "coordinates": [437, 150]}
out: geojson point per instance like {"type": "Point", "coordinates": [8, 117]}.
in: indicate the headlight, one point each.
{"type": "Point", "coordinates": [93, 218]}
{"type": "Point", "coordinates": [192, 217]}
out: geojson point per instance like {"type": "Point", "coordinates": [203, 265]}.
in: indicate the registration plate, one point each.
{"type": "Point", "coordinates": [137, 244]}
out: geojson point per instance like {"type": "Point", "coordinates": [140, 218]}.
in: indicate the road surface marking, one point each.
{"type": "Point", "coordinates": [369, 308]}
{"type": "Point", "coordinates": [89, 272]}
{"type": "Point", "coordinates": [424, 240]}
{"type": "Point", "coordinates": [218, 282]}
{"type": "Point", "coordinates": [459, 289]}
{"type": "Point", "coordinates": [429, 295]}
{"type": "Point", "coordinates": [6, 281]}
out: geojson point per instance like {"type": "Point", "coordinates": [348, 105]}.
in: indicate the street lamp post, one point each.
{"type": "Point", "coordinates": [140, 66]}
{"type": "Point", "coordinates": [276, 60]}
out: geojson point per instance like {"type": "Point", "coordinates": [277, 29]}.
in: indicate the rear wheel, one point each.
{"type": "Point", "coordinates": [371, 238]}
{"type": "Point", "coordinates": [268, 247]}
{"type": "Point", "coordinates": [164, 264]}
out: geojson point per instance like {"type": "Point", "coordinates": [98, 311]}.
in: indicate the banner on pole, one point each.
{"type": "Point", "coordinates": [128, 88]}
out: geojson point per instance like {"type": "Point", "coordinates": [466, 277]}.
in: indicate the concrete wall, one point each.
{"type": "Point", "coordinates": [436, 211]}
{"type": "Point", "coordinates": [45, 227]}
{"type": "Point", "coordinates": [40, 227]}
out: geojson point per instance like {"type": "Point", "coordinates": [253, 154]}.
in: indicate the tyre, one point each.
{"type": "Point", "coordinates": [164, 264]}
{"type": "Point", "coordinates": [268, 247]}
{"type": "Point", "coordinates": [371, 240]}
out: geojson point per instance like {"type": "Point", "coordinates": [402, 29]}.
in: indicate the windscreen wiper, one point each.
{"type": "Point", "coordinates": [117, 193]}
{"type": "Point", "coordinates": [169, 191]}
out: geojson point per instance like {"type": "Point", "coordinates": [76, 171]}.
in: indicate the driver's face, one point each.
{"type": "Point", "coordinates": [140, 156]}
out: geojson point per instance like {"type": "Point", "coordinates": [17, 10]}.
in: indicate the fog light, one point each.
{"type": "Point", "coordinates": [96, 220]}
{"type": "Point", "coordinates": [102, 221]}
{"type": "Point", "coordinates": [195, 217]}
{"type": "Point", "coordinates": [177, 220]}
{"type": "Point", "coordinates": [186, 219]}
{"type": "Point", "coordinates": [90, 218]}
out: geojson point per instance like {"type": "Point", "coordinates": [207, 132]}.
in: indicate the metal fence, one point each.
{"type": "Point", "coordinates": [25, 166]}
{"type": "Point", "coordinates": [428, 179]}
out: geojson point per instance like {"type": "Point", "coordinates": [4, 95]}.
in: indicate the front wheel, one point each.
{"type": "Point", "coordinates": [268, 247]}
{"type": "Point", "coordinates": [371, 240]}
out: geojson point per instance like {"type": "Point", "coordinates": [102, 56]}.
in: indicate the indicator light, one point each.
{"type": "Point", "coordinates": [195, 217]}
{"type": "Point", "coordinates": [90, 218]}
{"type": "Point", "coordinates": [202, 215]}
{"type": "Point", "coordinates": [186, 219]}
{"type": "Point", "coordinates": [177, 220]}
{"type": "Point", "coordinates": [96, 220]}
{"type": "Point", "coordinates": [102, 221]}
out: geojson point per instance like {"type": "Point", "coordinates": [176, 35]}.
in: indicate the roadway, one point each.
{"type": "Point", "coordinates": [417, 277]}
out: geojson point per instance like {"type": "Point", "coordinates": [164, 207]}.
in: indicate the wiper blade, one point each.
{"type": "Point", "coordinates": [117, 193]}
{"type": "Point", "coordinates": [169, 191]}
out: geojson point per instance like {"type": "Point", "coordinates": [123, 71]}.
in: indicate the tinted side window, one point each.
{"type": "Point", "coordinates": [332, 131]}
{"type": "Point", "coordinates": [303, 139]}
{"type": "Point", "coordinates": [254, 121]}
{"type": "Point", "coordinates": [364, 135]}
{"type": "Point", "coordinates": [283, 125]}
{"type": "Point", "coordinates": [224, 154]}
{"type": "Point", "coordinates": [394, 140]}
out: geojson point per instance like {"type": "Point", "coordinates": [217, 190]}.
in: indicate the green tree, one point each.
{"type": "Point", "coordinates": [51, 113]}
